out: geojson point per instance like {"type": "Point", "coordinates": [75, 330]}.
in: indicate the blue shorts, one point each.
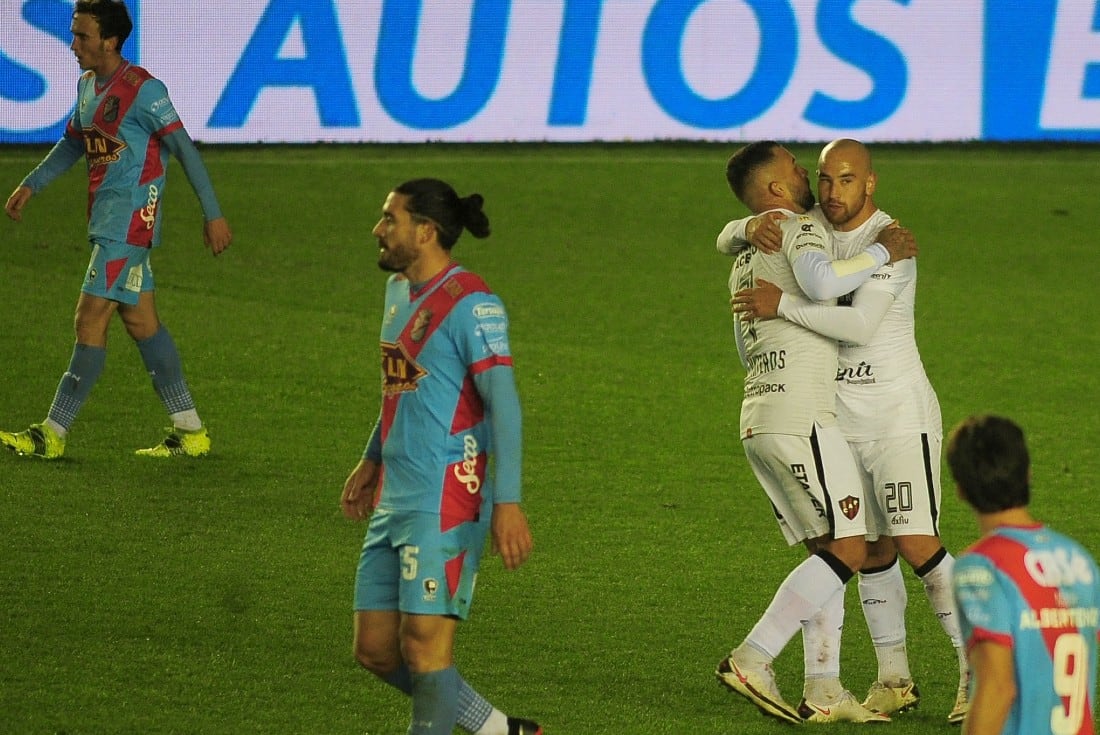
{"type": "Point", "coordinates": [410, 564]}
{"type": "Point", "coordinates": [118, 271]}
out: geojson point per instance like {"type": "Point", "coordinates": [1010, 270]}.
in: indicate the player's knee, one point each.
{"type": "Point", "coordinates": [90, 329]}
{"type": "Point", "coordinates": [919, 550]}
{"type": "Point", "coordinates": [140, 324]}
{"type": "Point", "coordinates": [424, 656]}
{"type": "Point", "coordinates": [377, 660]}
{"type": "Point", "coordinates": [850, 552]}
{"type": "Point", "coordinates": [880, 554]}
{"type": "Point", "coordinates": [428, 643]}
{"type": "Point", "coordinates": [922, 553]}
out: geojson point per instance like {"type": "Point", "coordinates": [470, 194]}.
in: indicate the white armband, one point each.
{"type": "Point", "coordinates": [821, 278]}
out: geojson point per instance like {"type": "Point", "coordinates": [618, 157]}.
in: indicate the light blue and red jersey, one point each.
{"type": "Point", "coordinates": [121, 123]}
{"type": "Point", "coordinates": [1037, 592]}
{"type": "Point", "coordinates": [436, 436]}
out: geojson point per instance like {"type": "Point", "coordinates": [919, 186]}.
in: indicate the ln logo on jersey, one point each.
{"type": "Point", "coordinates": [849, 506]}
{"type": "Point", "coordinates": [400, 372]}
{"type": "Point", "coordinates": [101, 148]}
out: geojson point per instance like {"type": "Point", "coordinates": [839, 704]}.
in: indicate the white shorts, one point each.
{"type": "Point", "coordinates": [901, 481]}
{"type": "Point", "coordinates": [812, 482]}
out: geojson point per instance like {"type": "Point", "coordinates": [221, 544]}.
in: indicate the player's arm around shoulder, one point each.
{"type": "Point", "coordinates": [760, 231]}
{"type": "Point", "coordinates": [898, 242]}
{"type": "Point", "coordinates": [892, 278]}
{"type": "Point", "coordinates": [804, 234]}
{"type": "Point", "coordinates": [766, 235]}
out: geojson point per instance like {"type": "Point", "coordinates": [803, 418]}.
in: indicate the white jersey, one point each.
{"type": "Point", "coordinates": [790, 371]}
{"type": "Point", "coordinates": [882, 388]}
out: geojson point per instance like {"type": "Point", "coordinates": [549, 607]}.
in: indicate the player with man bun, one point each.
{"type": "Point", "coordinates": [449, 403]}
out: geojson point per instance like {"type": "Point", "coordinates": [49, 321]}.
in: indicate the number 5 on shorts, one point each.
{"type": "Point", "coordinates": [408, 562]}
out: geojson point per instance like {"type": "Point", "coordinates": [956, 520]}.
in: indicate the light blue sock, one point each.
{"type": "Point", "coordinates": [473, 709]}
{"type": "Point", "coordinates": [400, 679]}
{"type": "Point", "coordinates": [76, 384]}
{"type": "Point", "coordinates": [435, 702]}
{"type": "Point", "coordinates": [162, 360]}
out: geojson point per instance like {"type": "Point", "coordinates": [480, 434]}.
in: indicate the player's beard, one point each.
{"type": "Point", "coordinates": [394, 258]}
{"type": "Point", "coordinates": [807, 200]}
{"type": "Point", "coordinates": [841, 214]}
{"type": "Point", "coordinates": [838, 217]}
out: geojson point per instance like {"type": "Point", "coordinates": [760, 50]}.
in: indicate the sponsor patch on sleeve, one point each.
{"type": "Point", "coordinates": [492, 325]}
{"type": "Point", "coordinates": [164, 111]}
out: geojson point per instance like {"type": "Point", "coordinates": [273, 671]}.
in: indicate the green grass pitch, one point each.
{"type": "Point", "coordinates": [214, 596]}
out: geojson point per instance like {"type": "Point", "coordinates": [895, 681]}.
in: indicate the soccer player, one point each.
{"type": "Point", "coordinates": [1028, 596]}
{"type": "Point", "coordinates": [449, 403]}
{"type": "Point", "coordinates": [124, 125]}
{"type": "Point", "coordinates": [888, 411]}
{"type": "Point", "coordinates": [790, 435]}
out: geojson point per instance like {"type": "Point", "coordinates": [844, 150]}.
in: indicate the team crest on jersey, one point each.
{"type": "Point", "coordinates": [420, 325]}
{"type": "Point", "coordinates": [110, 109]}
{"type": "Point", "coordinates": [101, 148]}
{"type": "Point", "coordinates": [849, 506]}
{"type": "Point", "coordinates": [400, 372]}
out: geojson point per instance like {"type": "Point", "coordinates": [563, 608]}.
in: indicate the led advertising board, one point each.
{"type": "Point", "coordinates": [584, 70]}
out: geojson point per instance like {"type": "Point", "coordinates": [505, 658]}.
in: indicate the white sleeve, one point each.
{"type": "Point", "coordinates": [821, 278]}
{"type": "Point", "coordinates": [855, 324]}
{"type": "Point", "coordinates": [731, 240]}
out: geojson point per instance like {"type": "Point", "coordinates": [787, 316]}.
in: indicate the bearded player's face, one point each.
{"type": "Point", "coordinates": [396, 233]}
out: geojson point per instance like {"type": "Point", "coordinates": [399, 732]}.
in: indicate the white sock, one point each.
{"type": "Point", "coordinates": [497, 724]}
{"type": "Point", "coordinates": [937, 585]}
{"type": "Point", "coordinates": [883, 598]}
{"type": "Point", "coordinates": [821, 652]}
{"type": "Point", "coordinates": [186, 420]}
{"type": "Point", "coordinates": [964, 667]}
{"type": "Point", "coordinates": [58, 429]}
{"type": "Point", "coordinates": [805, 591]}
